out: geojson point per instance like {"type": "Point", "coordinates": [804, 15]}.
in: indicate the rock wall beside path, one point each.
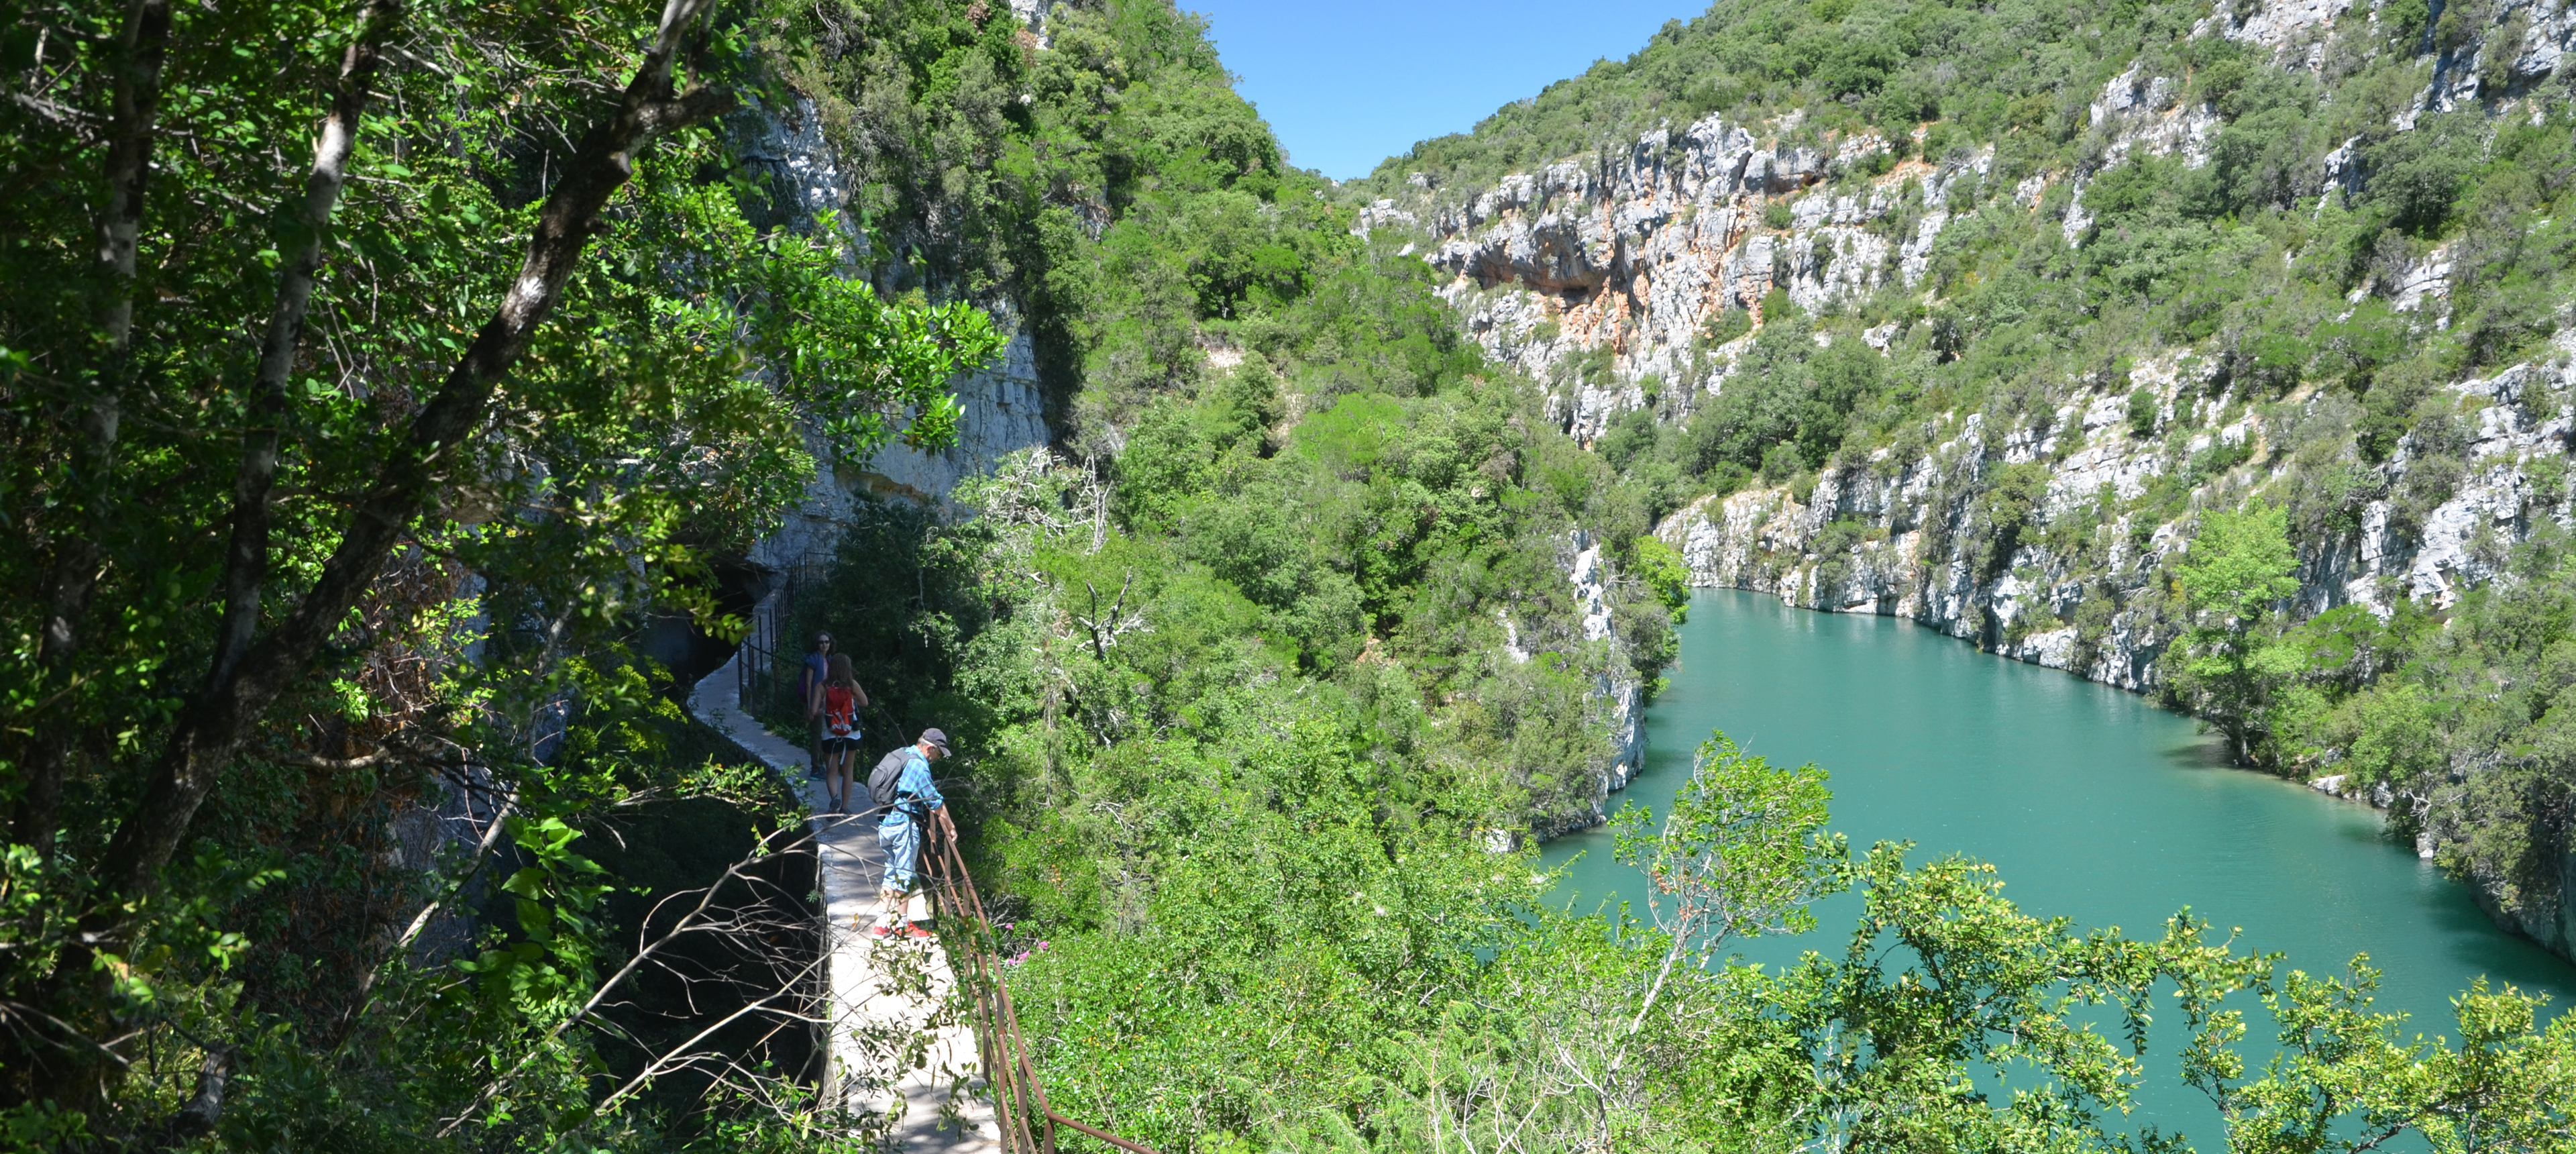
{"type": "Point", "coordinates": [1004, 405]}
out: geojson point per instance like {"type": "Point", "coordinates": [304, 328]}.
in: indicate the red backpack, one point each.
{"type": "Point", "coordinates": [840, 711]}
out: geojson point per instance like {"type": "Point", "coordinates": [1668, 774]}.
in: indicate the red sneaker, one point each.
{"type": "Point", "coordinates": [881, 931]}
{"type": "Point", "coordinates": [914, 931]}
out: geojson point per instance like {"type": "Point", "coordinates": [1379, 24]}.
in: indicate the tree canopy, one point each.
{"type": "Point", "coordinates": [338, 469]}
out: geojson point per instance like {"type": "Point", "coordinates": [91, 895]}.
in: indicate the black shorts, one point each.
{"type": "Point", "coordinates": [833, 746]}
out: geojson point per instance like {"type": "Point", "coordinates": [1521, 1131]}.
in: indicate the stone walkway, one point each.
{"type": "Point", "coordinates": [883, 993]}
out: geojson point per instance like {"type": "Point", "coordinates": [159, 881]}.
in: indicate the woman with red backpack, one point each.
{"type": "Point", "coordinates": [840, 700]}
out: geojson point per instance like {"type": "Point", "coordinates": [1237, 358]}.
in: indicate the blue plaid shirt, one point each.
{"type": "Point", "coordinates": [913, 789]}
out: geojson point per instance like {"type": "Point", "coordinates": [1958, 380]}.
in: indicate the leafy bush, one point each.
{"type": "Point", "coordinates": [2144, 408]}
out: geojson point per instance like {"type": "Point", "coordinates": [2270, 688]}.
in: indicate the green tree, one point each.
{"type": "Point", "coordinates": [338, 468]}
{"type": "Point", "coordinates": [1663, 570]}
{"type": "Point", "coordinates": [2239, 569]}
{"type": "Point", "coordinates": [1742, 852]}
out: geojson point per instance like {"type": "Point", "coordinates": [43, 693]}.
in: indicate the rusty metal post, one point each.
{"type": "Point", "coordinates": [1009, 1069]}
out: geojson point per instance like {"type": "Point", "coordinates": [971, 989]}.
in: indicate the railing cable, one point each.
{"type": "Point", "coordinates": [1027, 1123]}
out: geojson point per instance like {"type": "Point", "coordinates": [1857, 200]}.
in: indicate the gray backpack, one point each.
{"type": "Point", "coordinates": [887, 777]}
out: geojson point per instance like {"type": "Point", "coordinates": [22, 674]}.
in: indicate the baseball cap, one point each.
{"type": "Point", "coordinates": [936, 739]}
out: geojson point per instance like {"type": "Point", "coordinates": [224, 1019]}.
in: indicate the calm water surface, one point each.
{"type": "Point", "coordinates": [2090, 802]}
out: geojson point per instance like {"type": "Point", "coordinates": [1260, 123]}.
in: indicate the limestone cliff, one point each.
{"type": "Point", "coordinates": [1618, 696]}
{"type": "Point", "coordinates": [1900, 534]}
{"type": "Point", "coordinates": [2038, 525]}
{"type": "Point", "coordinates": [1003, 404]}
{"type": "Point", "coordinates": [1598, 277]}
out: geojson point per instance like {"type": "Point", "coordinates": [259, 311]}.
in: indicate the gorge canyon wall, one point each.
{"type": "Point", "coordinates": [1600, 277]}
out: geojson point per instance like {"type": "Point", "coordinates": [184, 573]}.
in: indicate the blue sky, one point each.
{"type": "Point", "coordinates": [1347, 83]}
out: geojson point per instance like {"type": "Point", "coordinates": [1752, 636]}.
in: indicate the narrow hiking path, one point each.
{"type": "Point", "coordinates": [882, 994]}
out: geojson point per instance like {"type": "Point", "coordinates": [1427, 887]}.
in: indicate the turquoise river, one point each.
{"type": "Point", "coordinates": [2091, 803]}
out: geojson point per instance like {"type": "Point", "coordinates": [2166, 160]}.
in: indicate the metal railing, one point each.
{"type": "Point", "coordinates": [767, 653]}
{"type": "Point", "coordinates": [1020, 1105]}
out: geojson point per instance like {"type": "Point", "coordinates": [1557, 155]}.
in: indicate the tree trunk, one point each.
{"type": "Point", "coordinates": [142, 48]}
{"type": "Point", "coordinates": [246, 560]}
{"type": "Point", "coordinates": [408, 482]}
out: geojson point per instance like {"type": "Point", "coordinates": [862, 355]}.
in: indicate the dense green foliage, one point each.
{"type": "Point", "coordinates": [1240, 714]}
{"type": "Point", "coordinates": [2238, 569]}
{"type": "Point", "coordinates": [1267, 404]}
{"type": "Point", "coordinates": [263, 989]}
{"type": "Point", "coordinates": [1231, 853]}
{"type": "Point", "coordinates": [1258, 685]}
{"type": "Point", "coordinates": [1116, 188]}
{"type": "Point", "coordinates": [2452, 724]}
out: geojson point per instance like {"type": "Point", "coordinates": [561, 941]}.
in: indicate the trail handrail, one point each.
{"type": "Point", "coordinates": [765, 641]}
{"type": "Point", "coordinates": [1020, 1105]}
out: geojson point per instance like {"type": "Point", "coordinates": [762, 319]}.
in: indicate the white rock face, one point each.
{"type": "Point", "coordinates": [2284, 26]}
{"type": "Point", "coordinates": [1637, 254]}
{"type": "Point", "coordinates": [1595, 277]}
{"type": "Point", "coordinates": [1004, 404]}
{"type": "Point", "coordinates": [1005, 412]}
{"type": "Point", "coordinates": [789, 142]}
{"type": "Point", "coordinates": [1618, 691]}
{"type": "Point", "coordinates": [2424, 285]}
{"type": "Point", "coordinates": [1900, 540]}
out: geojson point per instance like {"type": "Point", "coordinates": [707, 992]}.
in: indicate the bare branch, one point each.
{"type": "Point", "coordinates": [680, 1055]}
{"type": "Point", "coordinates": [695, 921]}
{"type": "Point", "coordinates": [74, 119]}
{"type": "Point", "coordinates": [332, 764]}
{"type": "Point", "coordinates": [206, 1106]}
{"type": "Point", "coordinates": [482, 850]}
{"type": "Point", "coordinates": [9, 1009]}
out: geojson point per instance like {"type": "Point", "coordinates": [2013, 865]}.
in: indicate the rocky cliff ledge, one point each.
{"type": "Point", "coordinates": [1618, 697]}
{"type": "Point", "coordinates": [1600, 279]}
{"type": "Point", "coordinates": [1631, 255]}
{"type": "Point", "coordinates": [1003, 405]}
{"type": "Point", "coordinates": [1910, 534]}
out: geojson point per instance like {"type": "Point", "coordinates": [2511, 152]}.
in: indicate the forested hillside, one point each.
{"type": "Point", "coordinates": [349, 474]}
{"type": "Point", "coordinates": [1257, 661]}
{"type": "Point", "coordinates": [1989, 316]}
{"type": "Point", "coordinates": [1259, 400]}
